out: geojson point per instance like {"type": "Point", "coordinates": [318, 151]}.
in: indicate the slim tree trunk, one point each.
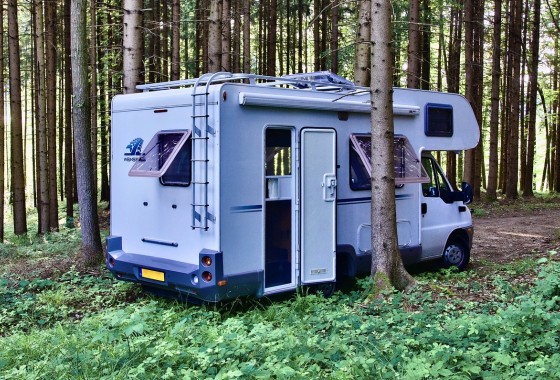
{"type": "Point", "coordinates": [533, 74]}
{"type": "Point", "coordinates": [495, 102]}
{"type": "Point", "coordinates": [246, 36]}
{"type": "Point", "coordinates": [132, 45]}
{"type": "Point", "coordinates": [17, 175]}
{"type": "Point", "coordinates": [175, 41]}
{"type": "Point", "coordinates": [514, 56]}
{"type": "Point", "coordinates": [2, 127]}
{"type": "Point", "coordinates": [300, 35]}
{"type": "Point", "coordinates": [334, 36]}
{"type": "Point", "coordinates": [214, 37]}
{"type": "Point", "coordinates": [68, 154]}
{"type": "Point", "coordinates": [91, 240]}
{"type": "Point", "coordinates": [414, 45]}
{"type": "Point", "coordinates": [386, 268]}
{"type": "Point", "coordinates": [51, 63]}
{"type": "Point", "coordinates": [272, 37]}
{"type": "Point", "coordinates": [362, 67]}
{"type": "Point", "coordinates": [43, 169]}
{"type": "Point", "coordinates": [226, 36]}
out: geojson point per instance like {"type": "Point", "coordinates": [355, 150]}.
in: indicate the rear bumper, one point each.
{"type": "Point", "coordinates": [183, 279]}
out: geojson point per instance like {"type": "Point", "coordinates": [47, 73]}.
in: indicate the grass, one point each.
{"type": "Point", "coordinates": [69, 323]}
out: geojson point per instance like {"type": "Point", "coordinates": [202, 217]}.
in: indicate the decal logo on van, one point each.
{"type": "Point", "coordinates": [134, 149]}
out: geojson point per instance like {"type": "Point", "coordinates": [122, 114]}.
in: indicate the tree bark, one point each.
{"type": "Point", "coordinates": [214, 37]}
{"type": "Point", "coordinates": [43, 169]}
{"type": "Point", "coordinates": [51, 61]}
{"type": "Point", "coordinates": [91, 240]}
{"type": "Point", "coordinates": [132, 45]}
{"type": "Point", "coordinates": [68, 154]}
{"type": "Point", "coordinates": [272, 37]}
{"type": "Point", "coordinates": [495, 102]}
{"type": "Point", "coordinates": [2, 128]}
{"type": "Point", "coordinates": [414, 45]}
{"type": "Point", "coordinates": [246, 36]}
{"type": "Point", "coordinates": [533, 78]}
{"type": "Point", "coordinates": [17, 173]}
{"type": "Point", "coordinates": [175, 41]}
{"type": "Point", "coordinates": [514, 56]}
{"type": "Point", "coordinates": [363, 40]}
{"type": "Point", "coordinates": [226, 35]}
{"type": "Point", "coordinates": [386, 268]}
{"type": "Point", "coordinates": [334, 36]}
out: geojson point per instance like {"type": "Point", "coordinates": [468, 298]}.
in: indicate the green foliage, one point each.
{"type": "Point", "coordinates": [428, 333]}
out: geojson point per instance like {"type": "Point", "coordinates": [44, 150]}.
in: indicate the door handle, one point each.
{"type": "Point", "coordinates": [329, 187]}
{"type": "Point", "coordinates": [424, 208]}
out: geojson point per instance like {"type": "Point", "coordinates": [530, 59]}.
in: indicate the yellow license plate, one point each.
{"type": "Point", "coordinates": [152, 274]}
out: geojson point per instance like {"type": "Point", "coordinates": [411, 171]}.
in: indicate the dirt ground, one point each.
{"type": "Point", "coordinates": [516, 235]}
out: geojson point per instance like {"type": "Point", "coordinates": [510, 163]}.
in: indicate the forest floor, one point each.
{"type": "Point", "coordinates": [528, 230]}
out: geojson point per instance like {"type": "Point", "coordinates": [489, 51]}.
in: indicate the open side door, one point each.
{"type": "Point", "coordinates": [318, 205]}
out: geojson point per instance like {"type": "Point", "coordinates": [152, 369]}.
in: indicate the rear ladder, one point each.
{"type": "Point", "coordinates": [201, 133]}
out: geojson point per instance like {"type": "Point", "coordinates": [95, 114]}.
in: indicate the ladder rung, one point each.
{"type": "Point", "coordinates": [200, 160]}
{"type": "Point", "coordinates": [200, 183]}
{"type": "Point", "coordinates": [196, 205]}
{"type": "Point", "coordinates": [200, 94]}
{"type": "Point", "coordinates": [198, 116]}
{"type": "Point", "coordinates": [200, 138]}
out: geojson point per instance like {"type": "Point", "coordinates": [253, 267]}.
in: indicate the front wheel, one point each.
{"type": "Point", "coordinates": [325, 289]}
{"type": "Point", "coordinates": [456, 254]}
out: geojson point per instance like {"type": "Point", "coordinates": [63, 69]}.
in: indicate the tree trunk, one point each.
{"type": "Point", "coordinates": [132, 45]}
{"type": "Point", "coordinates": [495, 102]}
{"type": "Point", "coordinates": [2, 128]}
{"type": "Point", "coordinates": [91, 240]}
{"type": "Point", "coordinates": [93, 89]}
{"type": "Point", "coordinates": [43, 169]}
{"type": "Point", "coordinates": [51, 61]}
{"type": "Point", "coordinates": [272, 37]}
{"type": "Point", "coordinates": [226, 35]}
{"type": "Point", "coordinates": [300, 35]}
{"type": "Point", "coordinates": [68, 154]}
{"type": "Point", "coordinates": [246, 36]}
{"type": "Point", "coordinates": [214, 37]}
{"type": "Point", "coordinates": [362, 67]}
{"type": "Point", "coordinates": [17, 174]}
{"type": "Point", "coordinates": [426, 49]}
{"type": "Point", "coordinates": [175, 41]}
{"type": "Point", "coordinates": [414, 45]}
{"type": "Point", "coordinates": [533, 78]}
{"type": "Point", "coordinates": [514, 54]}
{"type": "Point", "coordinates": [334, 36]}
{"type": "Point", "coordinates": [386, 267]}
{"type": "Point", "coordinates": [164, 57]}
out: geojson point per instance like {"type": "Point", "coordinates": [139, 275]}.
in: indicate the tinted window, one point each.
{"type": "Point", "coordinates": [439, 120]}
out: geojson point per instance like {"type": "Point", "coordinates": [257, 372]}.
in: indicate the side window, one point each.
{"type": "Point", "coordinates": [437, 186]}
{"type": "Point", "coordinates": [407, 167]}
{"type": "Point", "coordinates": [278, 152]}
{"type": "Point", "coordinates": [438, 120]}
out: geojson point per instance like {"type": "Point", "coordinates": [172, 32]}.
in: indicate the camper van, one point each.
{"type": "Point", "coordinates": [234, 184]}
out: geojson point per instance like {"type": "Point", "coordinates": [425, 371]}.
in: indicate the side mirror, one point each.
{"type": "Point", "coordinates": [467, 191]}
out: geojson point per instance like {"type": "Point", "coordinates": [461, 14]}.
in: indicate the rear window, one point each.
{"type": "Point", "coordinates": [167, 157]}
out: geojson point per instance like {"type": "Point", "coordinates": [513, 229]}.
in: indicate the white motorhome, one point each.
{"type": "Point", "coordinates": [236, 184]}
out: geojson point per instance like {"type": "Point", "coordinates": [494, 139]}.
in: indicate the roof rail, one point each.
{"type": "Point", "coordinates": [318, 81]}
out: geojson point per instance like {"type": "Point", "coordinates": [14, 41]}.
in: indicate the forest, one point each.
{"type": "Point", "coordinates": [501, 55]}
{"type": "Point", "coordinates": [64, 316]}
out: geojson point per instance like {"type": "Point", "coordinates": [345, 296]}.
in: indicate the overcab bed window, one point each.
{"type": "Point", "coordinates": [407, 169]}
{"type": "Point", "coordinates": [167, 157]}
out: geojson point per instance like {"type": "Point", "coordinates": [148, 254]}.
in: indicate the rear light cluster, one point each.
{"type": "Point", "coordinates": [209, 268]}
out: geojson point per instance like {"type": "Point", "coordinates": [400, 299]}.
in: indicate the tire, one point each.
{"type": "Point", "coordinates": [456, 254]}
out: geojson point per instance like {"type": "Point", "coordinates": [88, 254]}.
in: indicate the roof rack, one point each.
{"type": "Point", "coordinates": [317, 81]}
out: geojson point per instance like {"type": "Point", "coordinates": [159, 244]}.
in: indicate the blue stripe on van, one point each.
{"type": "Point", "coordinates": [249, 208]}
{"type": "Point", "coordinates": [350, 201]}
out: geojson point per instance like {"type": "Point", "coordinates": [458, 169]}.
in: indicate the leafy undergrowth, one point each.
{"type": "Point", "coordinates": [491, 321]}
{"type": "Point", "coordinates": [428, 333]}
